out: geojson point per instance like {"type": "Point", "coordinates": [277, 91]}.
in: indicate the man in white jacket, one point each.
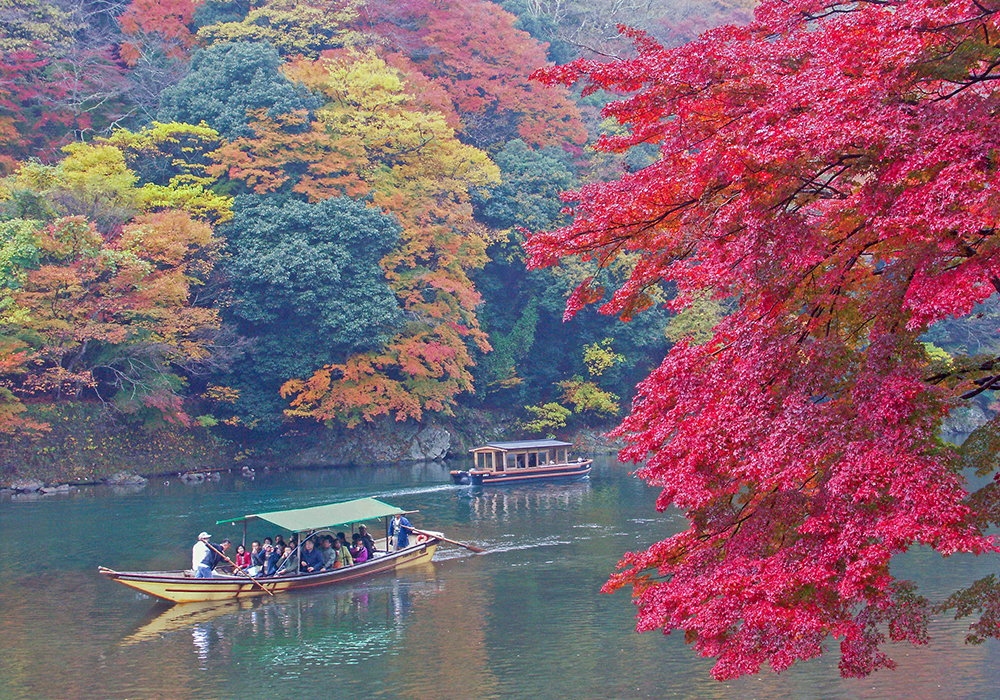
{"type": "Point", "coordinates": [201, 556]}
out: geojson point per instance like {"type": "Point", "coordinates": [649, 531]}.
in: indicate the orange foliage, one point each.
{"type": "Point", "coordinates": [416, 169]}
{"type": "Point", "coordinates": [290, 152]}
{"type": "Point", "coordinates": [114, 316]}
{"type": "Point", "coordinates": [168, 21]}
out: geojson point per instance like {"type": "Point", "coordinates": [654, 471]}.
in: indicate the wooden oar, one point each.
{"type": "Point", "coordinates": [477, 550]}
{"type": "Point", "coordinates": [237, 568]}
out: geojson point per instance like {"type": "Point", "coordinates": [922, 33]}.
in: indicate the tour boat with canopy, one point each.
{"type": "Point", "coordinates": [516, 462]}
{"type": "Point", "coordinates": [182, 586]}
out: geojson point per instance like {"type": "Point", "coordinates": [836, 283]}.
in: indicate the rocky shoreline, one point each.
{"type": "Point", "coordinates": [83, 450]}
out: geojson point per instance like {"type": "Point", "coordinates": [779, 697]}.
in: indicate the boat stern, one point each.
{"type": "Point", "coordinates": [460, 478]}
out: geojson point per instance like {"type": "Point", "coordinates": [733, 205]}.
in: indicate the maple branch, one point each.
{"type": "Point", "coordinates": [984, 367]}
{"type": "Point", "coordinates": [987, 384]}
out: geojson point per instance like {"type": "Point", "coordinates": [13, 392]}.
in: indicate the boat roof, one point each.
{"type": "Point", "coordinates": [329, 515]}
{"type": "Point", "coordinates": [522, 445]}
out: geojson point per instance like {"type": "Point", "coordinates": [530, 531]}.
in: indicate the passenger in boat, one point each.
{"type": "Point", "coordinates": [341, 555]}
{"type": "Point", "coordinates": [272, 556]}
{"type": "Point", "coordinates": [359, 552]}
{"type": "Point", "coordinates": [312, 560]}
{"type": "Point", "coordinates": [399, 532]}
{"type": "Point", "coordinates": [368, 540]}
{"type": "Point", "coordinates": [326, 551]}
{"type": "Point", "coordinates": [280, 565]}
{"type": "Point", "coordinates": [256, 558]}
{"type": "Point", "coordinates": [291, 564]}
{"type": "Point", "coordinates": [242, 557]}
{"type": "Point", "coordinates": [278, 539]}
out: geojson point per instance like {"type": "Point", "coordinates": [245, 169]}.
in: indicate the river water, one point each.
{"type": "Point", "coordinates": [524, 620]}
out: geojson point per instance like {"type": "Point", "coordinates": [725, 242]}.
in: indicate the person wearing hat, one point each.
{"type": "Point", "coordinates": [200, 557]}
{"type": "Point", "coordinates": [211, 556]}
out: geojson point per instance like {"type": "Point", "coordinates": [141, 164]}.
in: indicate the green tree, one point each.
{"type": "Point", "coordinates": [307, 287]}
{"type": "Point", "coordinates": [229, 80]}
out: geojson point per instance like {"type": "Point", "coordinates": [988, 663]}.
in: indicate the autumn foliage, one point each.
{"type": "Point", "coordinates": [831, 168]}
{"type": "Point", "coordinates": [414, 166]}
{"type": "Point", "coordinates": [474, 52]}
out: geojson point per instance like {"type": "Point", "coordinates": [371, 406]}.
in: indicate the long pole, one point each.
{"type": "Point", "coordinates": [477, 550]}
{"type": "Point", "coordinates": [237, 568]}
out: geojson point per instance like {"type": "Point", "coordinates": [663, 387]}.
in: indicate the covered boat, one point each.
{"type": "Point", "coordinates": [183, 587]}
{"type": "Point", "coordinates": [509, 462]}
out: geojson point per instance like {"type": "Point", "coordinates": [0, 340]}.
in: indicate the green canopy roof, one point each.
{"type": "Point", "coordinates": [330, 515]}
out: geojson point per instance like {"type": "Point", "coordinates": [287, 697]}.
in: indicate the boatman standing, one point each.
{"type": "Point", "coordinates": [200, 559]}
{"type": "Point", "coordinates": [399, 532]}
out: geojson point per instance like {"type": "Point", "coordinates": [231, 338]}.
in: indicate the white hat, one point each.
{"type": "Point", "coordinates": [204, 536]}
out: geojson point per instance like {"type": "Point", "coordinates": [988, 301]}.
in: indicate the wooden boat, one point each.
{"type": "Point", "coordinates": [183, 587]}
{"type": "Point", "coordinates": [510, 462]}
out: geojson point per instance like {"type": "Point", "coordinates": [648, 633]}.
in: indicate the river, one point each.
{"type": "Point", "coordinates": [524, 620]}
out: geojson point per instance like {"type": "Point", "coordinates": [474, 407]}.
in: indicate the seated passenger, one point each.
{"type": "Point", "coordinates": [341, 555]}
{"type": "Point", "coordinates": [368, 540]}
{"type": "Point", "coordinates": [242, 557]}
{"type": "Point", "coordinates": [326, 551]}
{"type": "Point", "coordinates": [358, 551]}
{"type": "Point", "coordinates": [272, 557]}
{"type": "Point", "coordinates": [312, 560]}
{"type": "Point", "coordinates": [290, 565]}
{"type": "Point", "coordinates": [256, 559]}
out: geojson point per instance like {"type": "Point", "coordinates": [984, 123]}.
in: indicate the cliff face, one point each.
{"type": "Point", "coordinates": [85, 444]}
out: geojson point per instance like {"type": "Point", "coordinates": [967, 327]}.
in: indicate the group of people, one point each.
{"type": "Point", "coordinates": [278, 558]}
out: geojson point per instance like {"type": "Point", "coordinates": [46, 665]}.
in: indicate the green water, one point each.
{"type": "Point", "coordinates": [525, 620]}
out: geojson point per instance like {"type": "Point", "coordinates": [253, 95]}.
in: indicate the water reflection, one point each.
{"type": "Point", "coordinates": [523, 620]}
{"type": "Point", "coordinates": [349, 624]}
{"type": "Point", "coordinates": [500, 503]}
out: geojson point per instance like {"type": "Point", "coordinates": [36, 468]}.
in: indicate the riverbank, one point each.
{"type": "Point", "coordinates": [85, 445]}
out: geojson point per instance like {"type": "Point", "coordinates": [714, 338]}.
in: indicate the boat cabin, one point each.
{"type": "Point", "coordinates": [504, 456]}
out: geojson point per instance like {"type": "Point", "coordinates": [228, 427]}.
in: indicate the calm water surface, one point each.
{"type": "Point", "coordinates": [524, 620]}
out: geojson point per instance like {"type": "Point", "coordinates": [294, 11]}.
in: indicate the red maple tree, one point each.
{"type": "Point", "coordinates": [31, 123]}
{"type": "Point", "coordinates": [832, 167]}
{"type": "Point", "coordinates": [474, 52]}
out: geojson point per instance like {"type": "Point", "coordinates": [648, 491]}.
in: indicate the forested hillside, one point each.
{"type": "Point", "coordinates": [252, 215]}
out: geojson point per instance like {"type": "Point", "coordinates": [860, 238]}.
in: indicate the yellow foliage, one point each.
{"type": "Point", "coordinates": [548, 417]}
{"type": "Point", "coordinates": [91, 180]}
{"type": "Point", "coordinates": [31, 25]}
{"type": "Point", "coordinates": [222, 394]}
{"type": "Point", "coordinates": [369, 101]}
{"type": "Point", "coordinates": [598, 357]}
{"type": "Point", "coordinates": [294, 27]}
{"type": "Point", "coordinates": [203, 203]}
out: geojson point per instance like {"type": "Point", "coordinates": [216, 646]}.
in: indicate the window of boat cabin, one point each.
{"type": "Point", "coordinates": [488, 460]}
{"type": "Point", "coordinates": [519, 459]}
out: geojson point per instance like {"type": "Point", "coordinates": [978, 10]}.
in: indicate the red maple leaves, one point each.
{"type": "Point", "coordinates": [832, 167]}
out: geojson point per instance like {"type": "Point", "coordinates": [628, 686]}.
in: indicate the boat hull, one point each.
{"type": "Point", "coordinates": [567, 471]}
{"type": "Point", "coordinates": [180, 587]}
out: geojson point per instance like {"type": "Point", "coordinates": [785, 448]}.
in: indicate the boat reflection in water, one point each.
{"type": "Point", "coordinates": [350, 624]}
{"type": "Point", "coordinates": [509, 501]}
